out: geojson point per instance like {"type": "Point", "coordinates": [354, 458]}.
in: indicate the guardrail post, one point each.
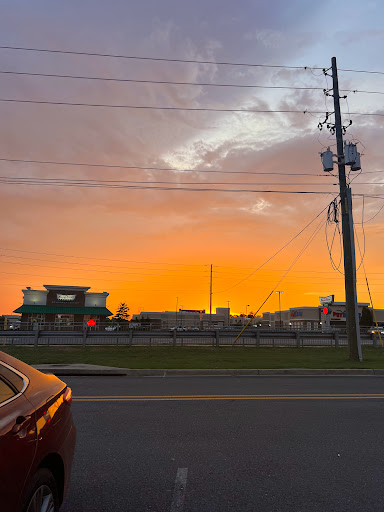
{"type": "Point", "coordinates": [336, 338]}
{"type": "Point", "coordinates": [37, 338]}
{"type": "Point", "coordinates": [150, 341]}
{"type": "Point", "coordinates": [84, 337]}
{"type": "Point", "coordinates": [130, 337]}
{"type": "Point", "coordinates": [217, 340]}
{"type": "Point", "coordinates": [117, 341]}
{"type": "Point", "coordinates": [297, 335]}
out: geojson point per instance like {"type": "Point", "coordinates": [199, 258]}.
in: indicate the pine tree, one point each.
{"type": "Point", "coordinates": [122, 313]}
{"type": "Point", "coordinates": [366, 318]}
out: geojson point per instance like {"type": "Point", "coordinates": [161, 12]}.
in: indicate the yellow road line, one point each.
{"type": "Point", "coordinates": [132, 398]}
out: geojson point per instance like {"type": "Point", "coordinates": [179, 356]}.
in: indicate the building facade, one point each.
{"type": "Point", "coordinates": [189, 318]}
{"type": "Point", "coordinates": [62, 306]}
{"type": "Point", "coordinates": [310, 318]}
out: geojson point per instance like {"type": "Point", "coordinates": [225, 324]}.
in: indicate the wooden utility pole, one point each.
{"type": "Point", "coordinates": [210, 299]}
{"type": "Point", "coordinates": [352, 313]}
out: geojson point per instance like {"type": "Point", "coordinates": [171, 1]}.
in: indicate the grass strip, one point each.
{"type": "Point", "coordinates": [200, 357]}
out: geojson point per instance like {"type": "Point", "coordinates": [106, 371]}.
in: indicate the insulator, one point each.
{"type": "Point", "coordinates": [327, 159]}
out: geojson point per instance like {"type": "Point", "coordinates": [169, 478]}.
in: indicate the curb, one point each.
{"type": "Point", "coordinates": [90, 370]}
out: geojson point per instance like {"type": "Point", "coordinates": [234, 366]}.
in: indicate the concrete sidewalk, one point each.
{"type": "Point", "coordinates": [90, 369]}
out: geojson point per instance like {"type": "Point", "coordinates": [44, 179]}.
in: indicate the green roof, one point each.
{"type": "Point", "coordinates": [63, 310]}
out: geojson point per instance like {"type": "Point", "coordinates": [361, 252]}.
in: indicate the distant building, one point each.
{"type": "Point", "coordinates": [196, 318]}
{"type": "Point", "coordinates": [62, 306]}
{"type": "Point", "coordinates": [304, 317]}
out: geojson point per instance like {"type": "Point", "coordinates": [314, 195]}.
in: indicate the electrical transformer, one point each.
{"type": "Point", "coordinates": [327, 159]}
{"type": "Point", "coordinates": [350, 153]}
{"type": "Point", "coordinates": [356, 166]}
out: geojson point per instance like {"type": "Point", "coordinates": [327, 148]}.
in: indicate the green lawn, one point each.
{"type": "Point", "coordinates": [201, 357]}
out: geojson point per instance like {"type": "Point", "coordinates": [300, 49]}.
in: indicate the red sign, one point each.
{"type": "Point", "coordinates": [325, 311]}
{"type": "Point", "coordinates": [91, 323]}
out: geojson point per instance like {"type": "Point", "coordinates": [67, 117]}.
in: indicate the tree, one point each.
{"type": "Point", "coordinates": [366, 317]}
{"type": "Point", "coordinates": [122, 313]}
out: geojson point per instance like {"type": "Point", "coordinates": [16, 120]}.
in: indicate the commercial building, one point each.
{"type": "Point", "coordinates": [189, 318]}
{"type": "Point", "coordinates": [313, 317]}
{"type": "Point", "coordinates": [62, 306]}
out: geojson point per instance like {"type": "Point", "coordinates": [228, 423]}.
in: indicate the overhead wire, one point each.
{"type": "Point", "coordinates": [154, 107]}
{"type": "Point", "coordinates": [162, 82]}
{"type": "Point", "coordinates": [369, 292]}
{"type": "Point", "coordinates": [276, 253]}
{"type": "Point", "coordinates": [186, 61]}
{"type": "Point", "coordinates": [159, 59]}
{"type": "Point", "coordinates": [181, 109]}
{"type": "Point", "coordinates": [150, 182]}
{"type": "Point", "coordinates": [176, 189]}
{"type": "Point", "coordinates": [100, 259]}
{"type": "Point", "coordinates": [303, 249]}
{"type": "Point", "coordinates": [81, 164]}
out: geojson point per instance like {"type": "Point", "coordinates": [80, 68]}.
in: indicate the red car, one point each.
{"type": "Point", "coordinates": [37, 438]}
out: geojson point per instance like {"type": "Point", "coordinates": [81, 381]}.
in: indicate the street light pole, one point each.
{"type": "Point", "coordinates": [246, 310]}
{"type": "Point", "coordinates": [279, 292]}
{"type": "Point", "coordinates": [177, 304]}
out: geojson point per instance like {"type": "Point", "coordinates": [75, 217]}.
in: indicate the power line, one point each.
{"type": "Point", "coordinates": [306, 245]}
{"type": "Point", "coordinates": [95, 265]}
{"type": "Point", "coordinates": [182, 109]}
{"type": "Point", "coordinates": [171, 82]}
{"type": "Point", "coordinates": [276, 253]}
{"type": "Point", "coordinates": [101, 271]}
{"type": "Point", "coordinates": [160, 59]}
{"type": "Point", "coordinates": [151, 107]}
{"type": "Point", "coordinates": [177, 189]}
{"type": "Point", "coordinates": [186, 61]}
{"type": "Point", "coordinates": [165, 82]}
{"type": "Point", "coordinates": [99, 259]}
{"type": "Point", "coordinates": [75, 181]}
{"type": "Point", "coordinates": [17, 160]}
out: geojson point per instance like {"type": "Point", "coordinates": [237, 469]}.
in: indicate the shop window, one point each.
{"type": "Point", "coordinates": [65, 320]}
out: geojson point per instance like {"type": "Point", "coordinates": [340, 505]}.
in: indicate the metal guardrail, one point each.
{"type": "Point", "coordinates": [214, 338]}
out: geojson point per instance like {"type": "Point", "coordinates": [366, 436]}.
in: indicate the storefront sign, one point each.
{"type": "Point", "coordinates": [327, 301]}
{"type": "Point", "coordinates": [192, 310]}
{"type": "Point", "coordinates": [60, 296]}
{"type": "Point", "coordinates": [295, 314]}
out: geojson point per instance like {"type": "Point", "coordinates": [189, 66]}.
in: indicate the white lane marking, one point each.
{"type": "Point", "coordinates": [179, 490]}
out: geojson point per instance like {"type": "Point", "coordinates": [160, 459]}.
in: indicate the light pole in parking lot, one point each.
{"type": "Point", "coordinates": [177, 305]}
{"type": "Point", "coordinates": [246, 310]}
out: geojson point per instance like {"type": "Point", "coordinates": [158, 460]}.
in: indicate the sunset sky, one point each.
{"type": "Point", "coordinates": [147, 247]}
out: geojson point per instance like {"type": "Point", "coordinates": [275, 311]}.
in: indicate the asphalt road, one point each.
{"type": "Point", "coordinates": [263, 447]}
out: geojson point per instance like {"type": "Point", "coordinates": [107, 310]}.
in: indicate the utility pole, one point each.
{"type": "Point", "coordinates": [352, 313]}
{"type": "Point", "coordinates": [228, 302]}
{"type": "Point", "coordinates": [279, 292]}
{"type": "Point", "coordinates": [210, 300]}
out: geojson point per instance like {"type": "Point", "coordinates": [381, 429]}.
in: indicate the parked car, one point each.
{"type": "Point", "coordinates": [111, 327]}
{"type": "Point", "coordinates": [37, 438]}
{"type": "Point", "coordinates": [178, 328]}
